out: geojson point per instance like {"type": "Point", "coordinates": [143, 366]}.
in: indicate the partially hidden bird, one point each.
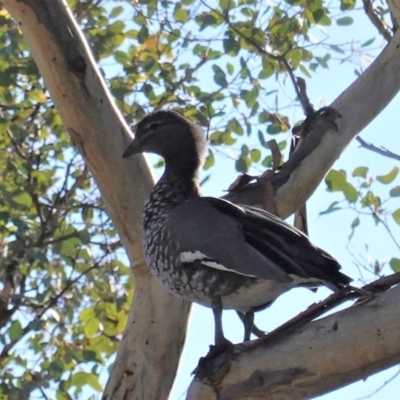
{"type": "Point", "coordinates": [210, 251]}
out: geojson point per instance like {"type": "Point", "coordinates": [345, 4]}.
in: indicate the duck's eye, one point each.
{"type": "Point", "coordinates": [154, 125]}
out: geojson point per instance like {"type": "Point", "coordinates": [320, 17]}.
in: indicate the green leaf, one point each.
{"type": "Point", "coordinates": [360, 171]}
{"type": "Point", "coordinates": [116, 27]}
{"type": "Point", "coordinates": [87, 314]}
{"type": "Point", "coordinates": [231, 45]}
{"type": "Point", "coordinates": [368, 42]}
{"type": "Point", "coordinates": [395, 192]}
{"type": "Point", "coordinates": [15, 331]}
{"type": "Point", "coordinates": [61, 395]}
{"type": "Point", "coordinates": [267, 162]}
{"type": "Point", "coordinates": [38, 96]}
{"type": "Point", "coordinates": [395, 264]}
{"type": "Point", "coordinates": [36, 325]}
{"type": "Point", "coordinates": [219, 76]}
{"type": "Point", "coordinates": [275, 128]}
{"type": "Point", "coordinates": [23, 199]}
{"type": "Point", "coordinates": [396, 216]}
{"type": "Point", "coordinates": [82, 378]}
{"type": "Point", "coordinates": [336, 48]}
{"type": "Point", "coordinates": [181, 15]}
{"type": "Point", "coordinates": [210, 160]}
{"type": "Point", "coordinates": [226, 4]}
{"type": "Point", "coordinates": [336, 180]}
{"type": "Point", "coordinates": [318, 14]}
{"type": "Point", "coordinates": [68, 247]}
{"type": "Point", "coordinates": [93, 381]}
{"type": "Point", "coordinates": [243, 164]}
{"type": "Point", "coordinates": [325, 21]}
{"type": "Point", "coordinates": [331, 208]}
{"type": "Point", "coordinates": [111, 311]}
{"type": "Point", "coordinates": [262, 139]}
{"type": "Point", "coordinates": [354, 224]}
{"type": "Point", "coordinates": [227, 138]}
{"type": "Point", "coordinates": [344, 21]}
{"type": "Point", "coordinates": [116, 11]}
{"type": "Point", "coordinates": [205, 19]}
{"type": "Point", "coordinates": [350, 193]}
{"type": "Point", "coordinates": [347, 5]}
{"type": "Point", "coordinates": [304, 70]}
{"type": "Point", "coordinates": [229, 68]}
{"type": "Point", "coordinates": [390, 177]}
{"type": "Point", "coordinates": [255, 155]}
{"type": "Point", "coordinates": [4, 125]}
{"type": "Point", "coordinates": [91, 327]}
{"type": "Point", "coordinates": [370, 200]}
{"type": "Point", "coordinates": [295, 56]}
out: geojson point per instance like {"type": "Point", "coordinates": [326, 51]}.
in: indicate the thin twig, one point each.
{"type": "Point", "coordinates": [380, 150]}
{"type": "Point", "coordinates": [369, 10]}
{"type": "Point", "coordinates": [381, 387]}
{"type": "Point", "coordinates": [299, 87]}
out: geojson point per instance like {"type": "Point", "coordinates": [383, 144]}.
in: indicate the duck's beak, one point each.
{"type": "Point", "coordinates": [133, 148]}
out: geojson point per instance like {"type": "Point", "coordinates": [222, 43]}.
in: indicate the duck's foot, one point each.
{"type": "Point", "coordinates": [215, 365]}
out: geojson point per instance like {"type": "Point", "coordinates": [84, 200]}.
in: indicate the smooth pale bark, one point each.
{"type": "Point", "coordinates": [321, 356]}
{"type": "Point", "coordinates": [149, 353]}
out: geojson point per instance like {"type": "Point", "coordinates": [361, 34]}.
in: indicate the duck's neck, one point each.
{"type": "Point", "coordinates": [181, 185]}
{"type": "Point", "coordinates": [169, 192]}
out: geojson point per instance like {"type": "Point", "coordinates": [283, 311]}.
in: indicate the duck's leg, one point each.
{"type": "Point", "coordinates": [249, 326]}
{"type": "Point", "coordinates": [216, 306]}
{"type": "Point", "coordinates": [248, 322]}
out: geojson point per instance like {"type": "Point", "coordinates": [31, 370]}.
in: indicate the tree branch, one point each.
{"type": "Point", "coordinates": [317, 358]}
{"type": "Point", "coordinates": [380, 150]}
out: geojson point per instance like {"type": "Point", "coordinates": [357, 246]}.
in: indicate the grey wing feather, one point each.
{"type": "Point", "coordinates": [283, 244]}
{"type": "Point", "coordinates": [198, 226]}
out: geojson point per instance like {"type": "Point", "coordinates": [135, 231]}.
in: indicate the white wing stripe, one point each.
{"type": "Point", "coordinates": [214, 264]}
{"type": "Point", "coordinates": [191, 256]}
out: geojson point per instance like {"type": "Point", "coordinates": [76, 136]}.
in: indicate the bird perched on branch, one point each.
{"type": "Point", "coordinates": [213, 252]}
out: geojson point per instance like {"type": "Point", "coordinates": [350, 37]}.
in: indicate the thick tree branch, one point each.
{"type": "Point", "coordinates": [148, 357]}
{"type": "Point", "coordinates": [358, 105]}
{"type": "Point", "coordinates": [317, 358]}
